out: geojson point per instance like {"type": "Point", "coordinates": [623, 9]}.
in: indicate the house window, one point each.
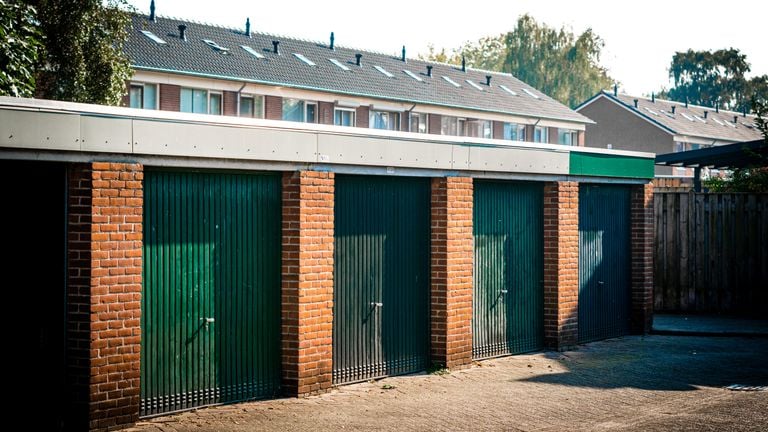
{"type": "Point", "coordinates": [449, 125]}
{"type": "Point", "coordinates": [194, 101]}
{"type": "Point", "coordinates": [419, 122]}
{"type": "Point", "coordinates": [143, 96]}
{"type": "Point", "coordinates": [567, 137]}
{"type": "Point", "coordinates": [477, 128]}
{"type": "Point", "coordinates": [514, 132]}
{"type": "Point", "coordinates": [214, 103]}
{"type": "Point", "coordinates": [541, 134]}
{"type": "Point", "coordinates": [252, 106]}
{"type": "Point", "coordinates": [344, 117]}
{"type": "Point", "coordinates": [384, 120]}
{"type": "Point", "coordinates": [299, 111]}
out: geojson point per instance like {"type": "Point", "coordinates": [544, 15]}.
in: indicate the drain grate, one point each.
{"type": "Point", "coordinates": [742, 387]}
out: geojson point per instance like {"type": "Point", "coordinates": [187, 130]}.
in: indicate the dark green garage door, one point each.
{"type": "Point", "coordinates": [604, 261]}
{"type": "Point", "coordinates": [508, 299]}
{"type": "Point", "coordinates": [211, 302]}
{"type": "Point", "coordinates": [381, 292]}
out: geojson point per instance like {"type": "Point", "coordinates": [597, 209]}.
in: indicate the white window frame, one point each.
{"type": "Point", "coordinates": [221, 98]}
{"type": "Point", "coordinates": [144, 84]}
{"type": "Point", "coordinates": [392, 115]}
{"type": "Point", "coordinates": [306, 110]}
{"type": "Point", "coordinates": [254, 97]}
{"type": "Point", "coordinates": [519, 127]}
{"type": "Point", "coordinates": [349, 110]}
{"type": "Point", "coordinates": [426, 122]}
{"type": "Point", "coordinates": [544, 134]}
{"type": "Point", "coordinates": [572, 132]}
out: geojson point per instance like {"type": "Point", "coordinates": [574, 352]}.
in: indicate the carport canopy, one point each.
{"type": "Point", "coordinates": [747, 154]}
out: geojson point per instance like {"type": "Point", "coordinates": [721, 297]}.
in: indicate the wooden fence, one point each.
{"type": "Point", "coordinates": [711, 253]}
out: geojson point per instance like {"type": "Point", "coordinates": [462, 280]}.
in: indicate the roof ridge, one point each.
{"type": "Point", "coordinates": [610, 93]}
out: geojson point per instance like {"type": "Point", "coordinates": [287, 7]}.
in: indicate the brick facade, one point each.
{"type": "Point", "coordinates": [230, 103]}
{"type": "Point", "coordinates": [361, 116]}
{"type": "Point", "coordinates": [104, 279]}
{"type": "Point", "coordinates": [307, 285]}
{"type": "Point", "coordinates": [561, 264]}
{"type": "Point", "coordinates": [642, 236]}
{"type": "Point", "coordinates": [498, 130]}
{"type": "Point", "coordinates": [273, 107]}
{"type": "Point", "coordinates": [325, 113]}
{"type": "Point", "coordinates": [435, 125]}
{"type": "Point", "coordinates": [170, 97]}
{"type": "Point", "coordinates": [451, 282]}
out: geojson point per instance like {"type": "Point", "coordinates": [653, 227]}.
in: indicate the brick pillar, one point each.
{"type": "Point", "coordinates": [170, 97]}
{"type": "Point", "coordinates": [561, 264]}
{"type": "Point", "coordinates": [104, 277]}
{"type": "Point", "coordinates": [434, 124]}
{"type": "Point", "coordinates": [273, 107]}
{"type": "Point", "coordinates": [307, 290]}
{"type": "Point", "coordinates": [230, 103]}
{"type": "Point", "coordinates": [361, 116]}
{"type": "Point", "coordinates": [498, 130]}
{"type": "Point", "coordinates": [451, 282]}
{"type": "Point", "coordinates": [642, 258]}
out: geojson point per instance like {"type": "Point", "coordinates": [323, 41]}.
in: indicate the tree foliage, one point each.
{"type": "Point", "coordinates": [19, 45]}
{"type": "Point", "coordinates": [715, 77]}
{"type": "Point", "coordinates": [557, 62]}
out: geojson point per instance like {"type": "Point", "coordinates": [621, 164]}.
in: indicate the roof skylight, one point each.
{"type": "Point", "coordinates": [412, 75]}
{"type": "Point", "coordinates": [339, 64]}
{"type": "Point", "coordinates": [384, 71]}
{"type": "Point", "coordinates": [508, 90]}
{"type": "Point", "coordinates": [687, 116]}
{"type": "Point", "coordinates": [668, 114]}
{"type": "Point", "coordinates": [473, 84]}
{"type": "Point", "coordinates": [304, 59]}
{"type": "Point", "coordinates": [718, 122]}
{"type": "Point", "coordinates": [215, 46]}
{"type": "Point", "coordinates": [252, 51]}
{"type": "Point", "coordinates": [153, 36]}
{"type": "Point", "coordinates": [699, 119]}
{"type": "Point", "coordinates": [651, 111]}
{"type": "Point", "coordinates": [531, 94]}
{"type": "Point", "coordinates": [455, 84]}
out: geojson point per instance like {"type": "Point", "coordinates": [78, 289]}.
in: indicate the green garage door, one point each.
{"type": "Point", "coordinates": [211, 303]}
{"type": "Point", "coordinates": [508, 299]}
{"type": "Point", "coordinates": [381, 279]}
{"type": "Point", "coordinates": [604, 261]}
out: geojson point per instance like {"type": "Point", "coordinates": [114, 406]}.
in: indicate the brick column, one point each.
{"type": "Point", "coordinates": [273, 107]}
{"type": "Point", "coordinates": [451, 282]}
{"type": "Point", "coordinates": [170, 97]}
{"type": "Point", "coordinates": [561, 264]}
{"type": "Point", "coordinates": [642, 258]}
{"type": "Point", "coordinates": [104, 278]}
{"type": "Point", "coordinates": [307, 291]}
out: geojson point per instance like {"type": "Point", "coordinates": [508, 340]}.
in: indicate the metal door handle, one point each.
{"type": "Point", "coordinates": [504, 291]}
{"type": "Point", "coordinates": [207, 320]}
{"type": "Point", "coordinates": [377, 304]}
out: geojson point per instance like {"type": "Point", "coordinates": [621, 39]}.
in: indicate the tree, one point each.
{"type": "Point", "coordinates": [714, 77]}
{"type": "Point", "coordinates": [19, 45]}
{"type": "Point", "coordinates": [83, 59]}
{"type": "Point", "coordinates": [557, 62]}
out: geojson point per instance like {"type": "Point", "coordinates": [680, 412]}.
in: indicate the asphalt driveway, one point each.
{"type": "Point", "coordinates": [653, 383]}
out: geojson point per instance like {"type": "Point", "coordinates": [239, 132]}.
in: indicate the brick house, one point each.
{"type": "Point", "coordinates": [660, 126]}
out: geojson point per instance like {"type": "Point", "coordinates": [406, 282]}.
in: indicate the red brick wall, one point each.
{"type": "Point", "coordinates": [104, 277]}
{"type": "Point", "coordinates": [307, 291]}
{"type": "Point", "coordinates": [498, 130]}
{"type": "Point", "coordinates": [273, 107]}
{"type": "Point", "coordinates": [451, 283]}
{"type": "Point", "coordinates": [405, 121]}
{"type": "Point", "coordinates": [642, 258]}
{"type": "Point", "coordinates": [230, 103]}
{"type": "Point", "coordinates": [170, 97]}
{"type": "Point", "coordinates": [325, 113]}
{"type": "Point", "coordinates": [561, 264]}
{"type": "Point", "coordinates": [582, 138]}
{"type": "Point", "coordinates": [361, 116]}
{"type": "Point", "coordinates": [552, 135]}
{"type": "Point", "coordinates": [435, 124]}
{"type": "Point", "coordinates": [529, 133]}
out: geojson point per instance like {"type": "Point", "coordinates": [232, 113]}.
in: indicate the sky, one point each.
{"type": "Point", "coordinates": [640, 36]}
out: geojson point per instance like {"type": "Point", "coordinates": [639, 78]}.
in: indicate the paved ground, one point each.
{"type": "Point", "coordinates": [709, 325]}
{"type": "Point", "coordinates": [655, 383]}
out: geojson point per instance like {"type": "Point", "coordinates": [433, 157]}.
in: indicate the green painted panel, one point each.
{"type": "Point", "coordinates": [607, 165]}
{"type": "Point", "coordinates": [211, 250]}
{"type": "Point", "coordinates": [604, 261]}
{"type": "Point", "coordinates": [382, 252]}
{"type": "Point", "coordinates": [508, 298]}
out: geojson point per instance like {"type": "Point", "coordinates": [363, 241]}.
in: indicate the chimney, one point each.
{"type": "Point", "coordinates": [463, 63]}
{"type": "Point", "coordinates": [653, 97]}
{"type": "Point", "coordinates": [182, 32]}
{"type": "Point", "coordinates": [735, 119]}
{"type": "Point", "coordinates": [744, 112]}
{"type": "Point", "coordinates": [333, 42]}
{"type": "Point", "coordinates": [429, 70]}
{"type": "Point", "coordinates": [686, 102]}
{"type": "Point", "coordinates": [615, 89]}
{"type": "Point", "coordinates": [705, 114]}
{"type": "Point", "coordinates": [717, 107]}
{"type": "Point", "coordinates": [488, 80]}
{"type": "Point", "coordinates": [402, 57]}
{"type": "Point", "coordinates": [358, 58]}
{"type": "Point", "coordinates": [248, 27]}
{"type": "Point", "coordinates": [152, 11]}
{"type": "Point", "coordinates": [276, 47]}
{"type": "Point", "coordinates": [635, 103]}
{"type": "Point", "coordinates": [673, 109]}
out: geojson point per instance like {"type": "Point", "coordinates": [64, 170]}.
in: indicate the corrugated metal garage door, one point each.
{"type": "Point", "coordinates": [211, 301]}
{"type": "Point", "coordinates": [508, 299]}
{"type": "Point", "coordinates": [604, 261]}
{"type": "Point", "coordinates": [381, 280]}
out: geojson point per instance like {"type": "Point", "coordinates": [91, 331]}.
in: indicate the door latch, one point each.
{"type": "Point", "coordinates": [377, 304]}
{"type": "Point", "coordinates": [504, 291]}
{"type": "Point", "coordinates": [207, 321]}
